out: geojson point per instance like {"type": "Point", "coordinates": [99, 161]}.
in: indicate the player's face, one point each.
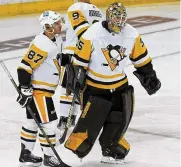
{"type": "Point", "coordinates": [57, 27]}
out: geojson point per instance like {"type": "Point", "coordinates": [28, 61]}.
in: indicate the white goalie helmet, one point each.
{"type": "Point", "coordinates": [49, 17]}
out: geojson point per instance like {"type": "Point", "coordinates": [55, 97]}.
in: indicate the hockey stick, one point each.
{"type": "Point", "coordinates": [31, 112]}
{"type": "Point", "coordinates": [62, 139]}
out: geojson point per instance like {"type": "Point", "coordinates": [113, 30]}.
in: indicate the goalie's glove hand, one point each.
{"type": "Point", "coordinates": [25, 95]}
{"type": "Point", "coordinates": [149, 81]}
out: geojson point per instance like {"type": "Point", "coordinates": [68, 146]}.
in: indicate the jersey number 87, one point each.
{"type": "Point", "coordinates": [32, 54]}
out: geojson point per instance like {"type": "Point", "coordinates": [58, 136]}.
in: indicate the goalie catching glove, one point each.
{"type": "Point", "coordinates": [76, 76]}
{"type": "Point", "coordinates": [25, 95]}
{"type": "Point", "coordinates": [149, 81]}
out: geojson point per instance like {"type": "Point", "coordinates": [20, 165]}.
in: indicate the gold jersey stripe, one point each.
{"type": "Point", "coordinates": [101, 86]}
{"type": "Point", "coordinates": [104, 76]}
{"type": "Point", "coordinates": [28, 136]}
{"type": "Point", "coordinates": [42, 93]}
{"type": "Point", "coordinates": [81, 30]}
{"type": "Point", "coordinates": [139, 48]}
{"type": "Point", "coordinates": [143, 63]}
{"type": "Point", "coordinates": [41, 107]}
{"type": "Point", "coordinates": [44, 141]}
{"type": "Point", "coordinates": [35, 56]}
{"type": "Point", "coordinates": [71, 48]}
{"type": "Point", "coordinates": [43, 83]}
{"type": "Point", "coordinates": [66, 97]}
{"type": "Point", "coordinates": [83, 50]}
{"type": "Point", "coordinates": [76, 17]}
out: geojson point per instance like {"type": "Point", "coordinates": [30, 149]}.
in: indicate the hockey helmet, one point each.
{"type": "Point", "coordinates": [116, 16]}
{"type": "Point", "coordinates": [49, 17]}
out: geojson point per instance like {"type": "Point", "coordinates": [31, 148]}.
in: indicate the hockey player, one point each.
{"type": "Point", "coordinates": [38, 76]}
{"type": "Point", "coordinates": [108, 100]}
{"type": "Point", "coordinates": [80, 16]}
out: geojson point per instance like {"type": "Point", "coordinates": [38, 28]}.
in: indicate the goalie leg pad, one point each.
{"type": "Point", "coordinates": [88, 126]}
{"type": "Point", "coordinates": [128, 107]}
{"type": "Point", "coordinates": [117, 123]}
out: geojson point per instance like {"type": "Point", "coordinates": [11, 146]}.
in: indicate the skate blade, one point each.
{"type": "Point", "coordinates": [29, 164]}
{"type": "Point", "coordinates": [110, 160]}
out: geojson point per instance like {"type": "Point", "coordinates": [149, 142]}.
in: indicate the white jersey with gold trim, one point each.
{"type": "Point", "coordinates": [41, 62]}
{"type": "Point", "coordinates": [80, 16]}
{"type": "Point", "coordinates": [105, 55]}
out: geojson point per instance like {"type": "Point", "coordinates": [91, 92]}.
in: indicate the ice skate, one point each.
{"type": "Point", "coordinates": [111, 158]}
{"type": "Point", "coordinates": [27, 159]}
{"type": "Point", "coordinates": [50, 161]}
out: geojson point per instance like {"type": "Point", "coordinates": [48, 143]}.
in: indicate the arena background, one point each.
{"type": "Point", "coordinates": [9, 8]}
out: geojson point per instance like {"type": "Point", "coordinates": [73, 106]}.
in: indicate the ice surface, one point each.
{"type": "Point", "coordinates": [154, 133]}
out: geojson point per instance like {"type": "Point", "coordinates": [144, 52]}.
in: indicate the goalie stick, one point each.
{"type": "Point", "coordinates": [63, 137]}
{"type": "Point", "coordinates": [31, 113]}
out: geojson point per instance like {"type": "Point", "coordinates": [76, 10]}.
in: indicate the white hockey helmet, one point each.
{"type": "Point", "coordinates": [49, 17]}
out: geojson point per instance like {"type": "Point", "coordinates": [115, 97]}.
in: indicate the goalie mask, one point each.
{"type": "Point", "coordinates": [116, 17]}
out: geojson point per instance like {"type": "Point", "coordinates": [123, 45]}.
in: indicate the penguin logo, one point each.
{"type": "Point", "coordinates": [113, 55]}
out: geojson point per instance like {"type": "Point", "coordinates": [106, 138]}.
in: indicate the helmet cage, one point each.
{"type": "Point", "coordinates": [116, 15]}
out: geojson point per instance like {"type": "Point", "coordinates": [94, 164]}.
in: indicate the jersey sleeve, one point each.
{"type": "Point", "coordinates": [83, 52]}
{"type": "Point", "coordinates": [31, 60]}
{"type": "Point", "coordinates": [78, 21]}
{"type": "Point", "coordinates": [139, 55]}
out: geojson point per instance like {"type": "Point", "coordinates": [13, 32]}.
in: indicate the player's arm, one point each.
{"type": "Point", "coordinates": [83, 52]}
{"type": "Point", "coordinates": [31, 60]}
{"type": "Point", "coordinates": [144, 68]}
{"type": "Point", "coordinates": [78, 22]}
{"type": "Point", "coordinates": [76, 72]}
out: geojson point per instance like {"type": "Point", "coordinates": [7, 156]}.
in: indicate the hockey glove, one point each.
{"type": "Point", "coordinates": [25, 95]}
{"type": "Point", "coordinates": [76, 76]}
{"type": "Point", "coordinates": [149, 81]}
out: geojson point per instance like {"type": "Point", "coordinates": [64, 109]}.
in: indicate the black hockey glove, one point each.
{"type": "Point", "coordinates": [65, 59]}
{"type": "Point", "coordinates": [25, 95]}
{"type": "Point", "coordinates": [76, 77]}
{"type": "Point", "coordinates": [149, 81]}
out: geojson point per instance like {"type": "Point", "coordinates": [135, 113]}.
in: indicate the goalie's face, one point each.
{"type": "Point", "coordinates": [116, 16]}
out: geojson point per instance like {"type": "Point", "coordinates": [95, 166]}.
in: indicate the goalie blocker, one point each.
{"type": "Point", "coordinates": [75, 80]}
{"type": "Point", "coordinates": [111, 111]}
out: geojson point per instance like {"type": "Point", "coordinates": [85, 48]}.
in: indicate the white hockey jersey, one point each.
{"type": "Point", "coordinates": [80, 16]}
{"type": "Point", "coordinates": [105, 55]}
{"type": "Point", "coordinates": [42, 63]}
